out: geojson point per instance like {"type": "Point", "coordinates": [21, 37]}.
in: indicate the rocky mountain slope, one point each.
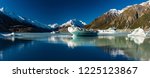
{"type": "Point", "coordinates": [10, 22]}
{"type": "Point", "coordinates": [131, 17]}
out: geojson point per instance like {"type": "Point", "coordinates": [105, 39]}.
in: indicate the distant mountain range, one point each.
{"type": "Point", "coordinates": [10, 22]}
{"type": "Point", "coordinates": [131, 17]}
{"type": "Point", "coordinates": [64, 27]}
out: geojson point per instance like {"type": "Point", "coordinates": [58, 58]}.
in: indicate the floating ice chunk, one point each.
{"type": "Point", "coordinates": [138, 32]}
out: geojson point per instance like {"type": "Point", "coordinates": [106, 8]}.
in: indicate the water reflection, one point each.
{"type": "Point", "coordinates": [136, 48]}
{"type": "Point", "coordinates": [1, 55]}
{"type": "Point", "coordinates": [80, 41]}
{"type": "Point", "coordinates": [137, 39]}
{"type": "Point", "coordinates": [9, 44]}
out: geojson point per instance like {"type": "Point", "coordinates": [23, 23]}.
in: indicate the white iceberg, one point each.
{"type": "Point", "coordinates": [138, 36]}
{"type": "Point", "coordinates": [9, 34]}
{"type": "Point", "coordinates": [109, 31]}
{"type": "Point", "coordinates": [76, 31]}
{"type": "Point", "coordinates": [138, 32]}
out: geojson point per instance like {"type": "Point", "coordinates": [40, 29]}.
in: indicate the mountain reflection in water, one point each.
{"type": "Point", "coordinates": [64, 47]}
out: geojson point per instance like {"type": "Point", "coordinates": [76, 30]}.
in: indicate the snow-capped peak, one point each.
{"type": "Point", "coordinates": [146, 3]}
{"type": "Point", "coordinates": [83, 22]}
{"type": "Point", "coordinates": [114, 11]}
{"type": "Point", "coordinates": [118, 12]}
{"type": "Point", "coordinates": [2, 9]}
{"type": "Point", "coordinates": [53, 25]}
{"type": "Point", "coordinates": [21, 17]}
{"type": "Point", "coordinates": [121, 11]}
{"type": "Point", "coordinates": [74, 22]}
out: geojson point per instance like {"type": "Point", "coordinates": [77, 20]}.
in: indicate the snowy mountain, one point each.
{"type": "Point", "coordinates": [53, 26]}
{"type": "Point", "coordinates": [145, 3]}
{"type": "Point", "coordinates": [11, 22]}
{"type": "Point", "coordinates": [2, 9]}
{"type": "Point", "coordinates": [74, 22]}
{"type": "Point", "coordinates": [113, 12]}
{"type": "Point", "coordinates": [130, 17]}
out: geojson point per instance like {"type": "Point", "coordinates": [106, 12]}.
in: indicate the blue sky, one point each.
{"type": "Point", "coordinates": [60, 11]}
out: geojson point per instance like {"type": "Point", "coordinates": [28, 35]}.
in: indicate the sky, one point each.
{"type": "Point", "coordinates": [60, 11]}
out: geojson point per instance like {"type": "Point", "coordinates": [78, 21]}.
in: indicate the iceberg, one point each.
{"type": "Point", "coordinates": [138, 35]}
{"type": "Point", "coordinates": [138, 32]}
{"type": "Point", "coordinates": [76, 31]}
{"type": "Point", "coordinates": [9, 34]}
{"type": "Point", "coordinates": [109, 31]}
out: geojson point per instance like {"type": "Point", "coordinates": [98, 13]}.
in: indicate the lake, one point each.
{"type": "Point", "coordinates": [64, 47]}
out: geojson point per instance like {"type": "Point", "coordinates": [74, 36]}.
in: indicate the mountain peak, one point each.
{"type": "Point", "coordinates": [82, 22]}
{"type": "Point", "coordinates": [147, 3]}
{"type": "Point", "coordinates": [2, 9]}
{"type": "Point", "coordinates": [131, 17]}
{"type": "Point", "coordinates": [21, 18]}
{"type": "Point", "coordinates": [118, 12]}
{"type": "Point", "coordinates": [53, 25]}
{"type": "Point", "coordinates": [74, 22]}
{"type": "Point", "coordinates": [113, 12]}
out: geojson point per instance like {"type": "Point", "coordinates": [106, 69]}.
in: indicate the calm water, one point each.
{"type": "Point", "coordinates": [63, 47]}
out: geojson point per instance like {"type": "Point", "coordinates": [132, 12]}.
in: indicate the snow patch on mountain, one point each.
{"type": "Point", "coordinates": [53, 25]}
{"type": "Point", "coordinates": [21, 18]}
{"type": "Point", "coordinates": [74, 22]}
{"type": "Point", "coordinates": [2, 9]}
{"type": "Point", "coordinates": [121, 11]}
{"type": "Point", "coordinates": [113, 12]}
{"type": "Point", "coordinates": [145, 3]}
{"type": "Point", "coordinates": [118, 12]}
